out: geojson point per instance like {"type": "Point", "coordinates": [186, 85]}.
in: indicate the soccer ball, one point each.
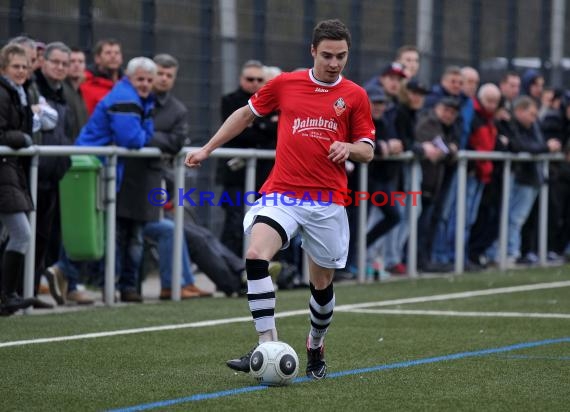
{"type": "Point", "coordinates": [274, 364]}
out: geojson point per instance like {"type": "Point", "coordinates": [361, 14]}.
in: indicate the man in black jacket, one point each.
{"type": "Point", "coordinates": [143, 175]}
{"type": "Point", "coordinates": [261, 134]}
{"type": "Point", "coordinates": [49, 79]}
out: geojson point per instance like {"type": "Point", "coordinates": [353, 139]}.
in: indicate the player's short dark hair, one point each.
{"type": "Point", "coordinates": [98, 49]}
{"type": "Point", "coordinates": [330, 30]}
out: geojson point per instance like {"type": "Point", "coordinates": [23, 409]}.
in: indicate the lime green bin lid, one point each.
{"type": "Point", "coordinates": [85, 162]}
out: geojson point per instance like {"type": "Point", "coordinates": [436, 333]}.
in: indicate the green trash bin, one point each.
{"type": "Point", "coordinates": [82, 209]}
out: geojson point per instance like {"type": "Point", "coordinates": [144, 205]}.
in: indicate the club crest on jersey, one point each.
{"type": "Point", "coordinates": [339, 106]}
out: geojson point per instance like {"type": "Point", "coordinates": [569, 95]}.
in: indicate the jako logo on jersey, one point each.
{"type": "Point", "coordinates": [312, 123]}
{"type": "Point", "coordinates": [339, 106]}
{"type": "Point", "coordinates": [321, 90]}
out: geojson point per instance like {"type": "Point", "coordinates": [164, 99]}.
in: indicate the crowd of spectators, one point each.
{"type": "Point", "coordinates": [58, 100]}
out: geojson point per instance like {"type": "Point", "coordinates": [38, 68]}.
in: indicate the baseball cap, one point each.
{"type": "Point", "coordinates": [394, 69]}
{"type": "Point", "coordinates": [450, 101]}
{"type": "Point", "coordinates": [415, 86]}
{"type": "Point", "coordinates": [377, 96]}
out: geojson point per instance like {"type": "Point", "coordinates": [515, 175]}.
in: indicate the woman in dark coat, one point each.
{"type": "Point", "coordinates": [15, 129]}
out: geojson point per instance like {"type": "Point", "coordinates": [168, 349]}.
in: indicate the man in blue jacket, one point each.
{"type": "Point", "coordinates": [123, 118]}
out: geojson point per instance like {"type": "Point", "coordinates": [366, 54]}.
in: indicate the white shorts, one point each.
{"type": "Point", "coordinates": [323, 228]}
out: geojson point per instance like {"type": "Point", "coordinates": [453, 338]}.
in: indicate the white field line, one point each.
{"type": "Point", "coordinates": [461, 314]}
{"type": "Point", "coordinates": [206, 323]}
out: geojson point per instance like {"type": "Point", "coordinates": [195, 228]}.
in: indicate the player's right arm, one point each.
{"type": "Point", "coordinates": [234, 125]}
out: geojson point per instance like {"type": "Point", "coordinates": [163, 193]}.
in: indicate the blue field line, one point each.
{"type": "Point", "coordinates": [531, 357]}
{"type": "Point", "coordinates": [397, 365]}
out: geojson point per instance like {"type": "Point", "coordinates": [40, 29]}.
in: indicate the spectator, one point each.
{"type": "Point", "coordinates": [470, 82]}
{"type": "Point", "coordinates": [76, 76]}
{"type": "Point", "coordinates": [553, 123]}
{"type": "Point", "coordinates": [532, 84]}
{"type": "Point", "coordinates": [15, 199]}
{"type": "Point", "coordinates": [49, 79]}
{"type": "Point", "coordinates": [483, 138]}
{"type": "Point", "coordinates": [452, 84]}
{"type": "Point", "coordinates": [436, 127]}
{"type": "Point", "coordinates": [104, 74]}
{"type": "Point", "coordinates": [389, 82]}
{"type": "Point", "coordinates": [260, 134]}
{"type": "Point", "coordinates": [122, 118]}
{"type": "Point", "coordinates": [525, 136]}
{"type": "Point", "coordinates": [486, 228]}
{"type": "Point", "coordinates": [143, 175]}
{"type": "Point", "coordinates": [382, 175]}
{"type": "Point", "coordinates": [411, 100]}
{"type": "Point", "coordinates": [409, 57]}
{"type": "Point", "coordinates": [45, 118]}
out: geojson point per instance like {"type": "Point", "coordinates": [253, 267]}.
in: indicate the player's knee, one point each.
{"type": "Point", "coordinates": [321, 282]}
{"type": "Point", "coordinates": [255, 253]}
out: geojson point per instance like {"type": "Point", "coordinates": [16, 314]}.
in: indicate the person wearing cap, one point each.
{"type": "Point", "coordinates": [436, 127]}
{"type": "Point", "coordinates": [389, 81]}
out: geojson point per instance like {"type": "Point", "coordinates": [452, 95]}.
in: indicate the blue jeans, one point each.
{"type": "Point", "coordinates": [521, 199]}
{"type": "Point", "coordinates": [162, 232]}
{"type": "Point", "coordinates": [444, 244]}
{"type": "Point", "coordinates": [128, 258]}
{"type": "Point", "coordinates": [397, 237]}
{"type": "Point", "coordinates": [129, 253]}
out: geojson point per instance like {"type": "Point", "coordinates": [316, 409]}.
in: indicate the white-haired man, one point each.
{"type": "Point", "coordinates": [123, 118]}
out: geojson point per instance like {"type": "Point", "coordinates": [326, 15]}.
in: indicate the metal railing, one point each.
{"type": "Point", "coordinates": [113, 152]}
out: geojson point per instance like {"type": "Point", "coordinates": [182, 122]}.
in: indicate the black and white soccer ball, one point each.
{"type": "Point", "coordinates": [274, 364]}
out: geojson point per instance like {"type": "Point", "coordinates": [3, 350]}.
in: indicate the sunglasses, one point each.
{"type": "Point", "coordinates": [254, 79]}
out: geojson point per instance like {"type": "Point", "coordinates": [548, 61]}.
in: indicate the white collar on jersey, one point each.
{"type": "Point", "coordinates": [320, 83]}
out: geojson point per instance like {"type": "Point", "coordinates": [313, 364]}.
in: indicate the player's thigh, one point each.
{"type": "Point", "coordinates": [326, 236]}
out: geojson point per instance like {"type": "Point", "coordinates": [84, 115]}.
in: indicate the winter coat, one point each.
{"type": "Point", "coordinates": [77, 110]}
{"type": "Point", "coordinates": [142, 175]}
{"type": "Point", "coordinates": [53, 168]}
{"type": "Point", "coordinates": [122, 119]}
{"type": "Point", "coordinates": [96, 86]}
{"type": "Point", "coordinates": [15, 123]}
{"type": "Point", "coordinates": [482, 139]}
{"type": "Point", "coordinates": [428, 128]}
{"type": "Point", "coordinates": [523, 139]}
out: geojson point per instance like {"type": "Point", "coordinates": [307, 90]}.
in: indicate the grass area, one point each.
{"type": "Point", "coordinates": [120, 371]}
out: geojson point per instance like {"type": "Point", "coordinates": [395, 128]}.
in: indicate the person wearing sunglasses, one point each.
{"type": "Point", "coordinates": [261, 134]}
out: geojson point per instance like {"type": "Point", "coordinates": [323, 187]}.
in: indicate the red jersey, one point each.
{"type": "Point", "coordinates": [312, 115]}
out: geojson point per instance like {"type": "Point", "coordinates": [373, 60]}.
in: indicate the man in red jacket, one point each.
{"type": "Point", "coordinates": [102, 76]}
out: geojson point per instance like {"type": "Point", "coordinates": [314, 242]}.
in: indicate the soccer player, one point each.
{"type": "Point", "coordinates": [324, 120]}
